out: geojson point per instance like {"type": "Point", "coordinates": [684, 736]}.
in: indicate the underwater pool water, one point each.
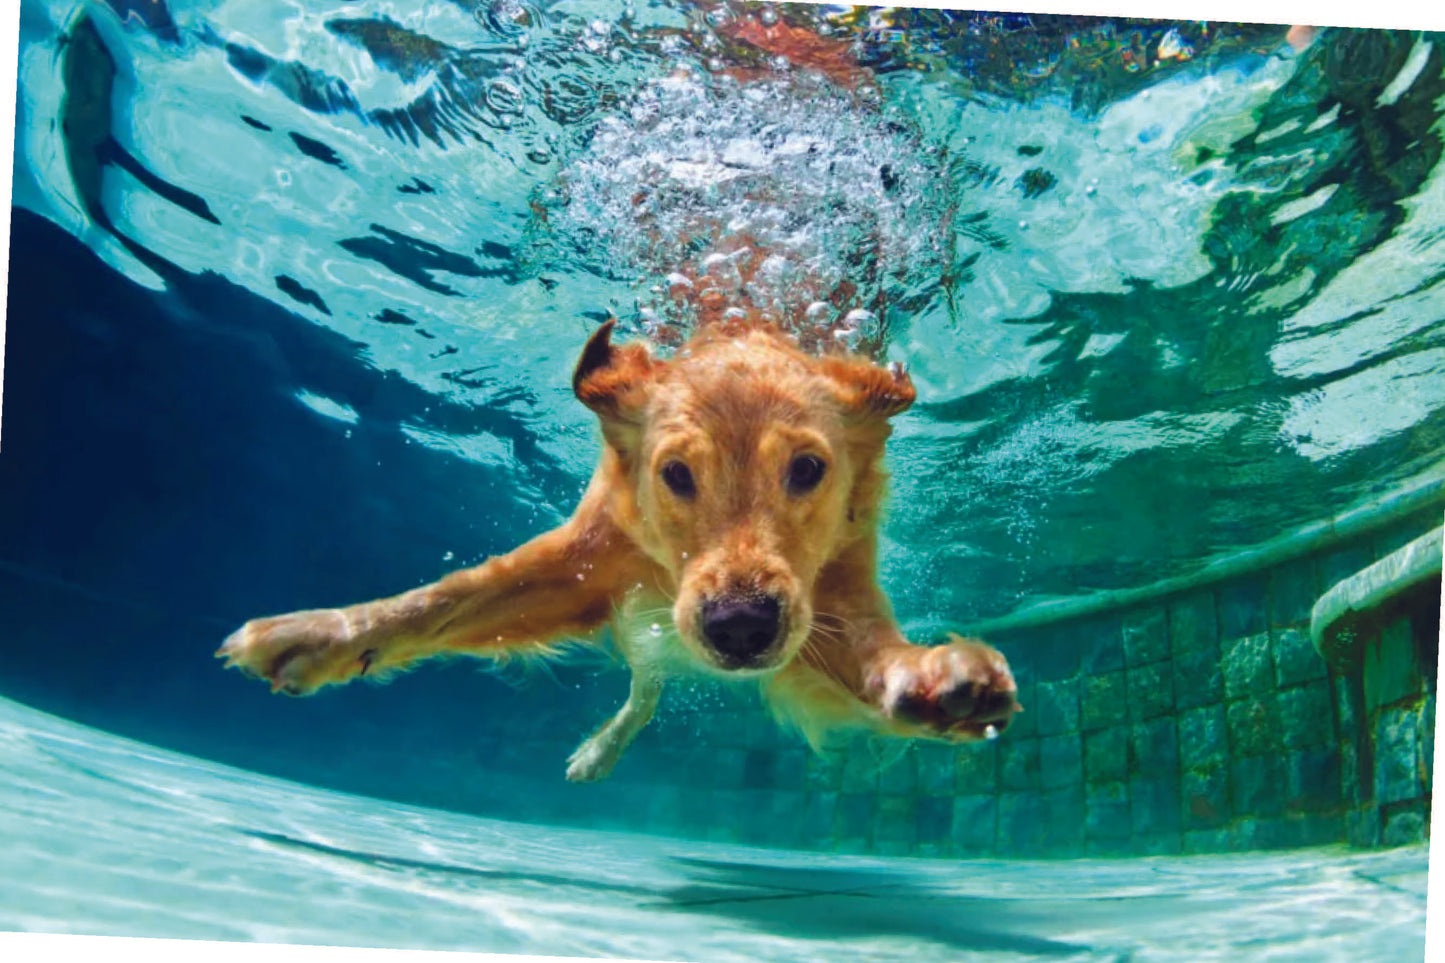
{"type": "Point", "coordinates": [296, 290]}
{"type": "Point", "coordinates": [106, 836]}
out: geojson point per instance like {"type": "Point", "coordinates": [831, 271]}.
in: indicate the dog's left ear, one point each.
{"type": "Point", "coordinates": [868, 391]}
{"type": "Point", "coordinates": [613, 381]}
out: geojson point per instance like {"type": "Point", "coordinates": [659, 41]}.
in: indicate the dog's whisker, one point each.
{"type": "Point", "coordinates": [834, 622]}
{"type": "Point", "coordinates": [815, 657]}
{"type": "Point", "coordinates": [661, 617]}
{"type": "Point", "coordinates": [820, 631]}
{"type": "Point", "coordinates": [836, 633]}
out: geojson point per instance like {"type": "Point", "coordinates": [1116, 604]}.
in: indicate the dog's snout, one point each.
{"type": "Point", "coordinates": [741, 629]}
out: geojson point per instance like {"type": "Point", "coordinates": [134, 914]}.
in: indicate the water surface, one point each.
{"type": "Point", "coordinates": [1168, 290]}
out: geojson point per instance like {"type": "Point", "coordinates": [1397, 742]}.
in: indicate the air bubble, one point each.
{"type": "Point", "coordinates": [721, 269]}
{"type": "Point", "coordinates": [774, 273]}
{"type": "Point", "coordinates": [865, 321]}
{"type": "Point", "coordinates": [506, 16]}
{"type": "Point", "coordinates": [768, 16]}
{"type": "Point", "coordinates": [723, 163]}
{"type": "Point", "coordinates": [504, 98]}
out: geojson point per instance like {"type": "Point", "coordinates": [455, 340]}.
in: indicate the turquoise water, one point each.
{"type": "Point", "coordinates": [113, 837]}
{"type": "Point", "coordinates": [1124, 283]}
{"type": "Point", "coordinates": [296, 290]}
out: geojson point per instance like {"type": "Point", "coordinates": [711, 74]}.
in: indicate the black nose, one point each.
{"type": "Point", "coordinates": [742, 629]}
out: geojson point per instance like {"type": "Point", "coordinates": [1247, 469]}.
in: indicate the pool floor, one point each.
{"type": "Point", "coordinates": [105, 836]}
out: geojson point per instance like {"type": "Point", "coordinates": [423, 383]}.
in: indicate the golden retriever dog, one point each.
{"type": "Point", "coordinates": [730, 527]}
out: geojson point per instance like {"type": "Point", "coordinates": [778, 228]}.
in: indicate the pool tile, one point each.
{"type": "Point", "coordinates": [1146, 636]}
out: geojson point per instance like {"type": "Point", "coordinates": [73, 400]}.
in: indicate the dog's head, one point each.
{"type": "Point", "coordinates": [742, 467]}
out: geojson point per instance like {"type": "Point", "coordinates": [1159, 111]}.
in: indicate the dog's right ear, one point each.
{"type": "Point", "coordinates": [613, 381]}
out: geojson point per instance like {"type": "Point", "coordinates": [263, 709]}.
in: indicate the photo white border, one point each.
{"type": "Point", "coordinates": [25, 947]}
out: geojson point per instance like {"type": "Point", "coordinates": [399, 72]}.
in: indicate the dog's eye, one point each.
{"type": "Point", "coordinates": [805, 473]}
{"type": "Point", "coordinates": [677, 477]}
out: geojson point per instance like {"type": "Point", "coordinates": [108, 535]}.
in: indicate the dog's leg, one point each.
{"type": "Point", "coordinates": [595, 758]}
{"type": "Point", "coordinates": [559, 585]}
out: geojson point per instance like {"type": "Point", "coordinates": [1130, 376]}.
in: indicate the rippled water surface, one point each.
{"type": "Point", "coordinates": [1167, 290]}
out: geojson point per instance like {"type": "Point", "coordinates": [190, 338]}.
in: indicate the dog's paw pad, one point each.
{"type": "Point", "coordinates": [297, 653]}
{"type": "Point", "coordinates": [960, 690]}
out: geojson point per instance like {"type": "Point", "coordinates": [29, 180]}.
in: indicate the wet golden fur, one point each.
{"type": "Point", "coordinates": [738, 407]}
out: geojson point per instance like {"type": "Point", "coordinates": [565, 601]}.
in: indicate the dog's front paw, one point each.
{"type": "Point", "coordinates": [961, 690]}
{"type": "Point", "coordinates": [301, 652]}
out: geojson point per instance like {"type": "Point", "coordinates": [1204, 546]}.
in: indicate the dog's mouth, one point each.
{"type": "Point", "coordinates": [744, 632]}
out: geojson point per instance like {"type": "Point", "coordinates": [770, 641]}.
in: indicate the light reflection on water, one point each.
{"type": "Point", "coordinates": [1132, 267]}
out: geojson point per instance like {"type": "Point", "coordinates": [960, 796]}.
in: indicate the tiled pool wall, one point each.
{"type": "Point", "coordinates": [1203, 721]}
{"type": "Point", "coordinates": [1207, 721]}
